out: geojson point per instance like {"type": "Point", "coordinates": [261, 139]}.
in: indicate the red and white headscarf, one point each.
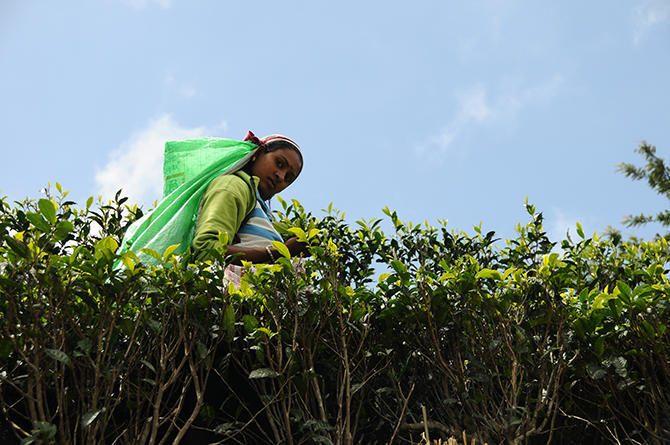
{"type": "Point", "coordinates": [267, 140]}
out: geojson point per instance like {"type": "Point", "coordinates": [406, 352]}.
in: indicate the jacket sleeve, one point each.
{"type": "Point", "coordinates": [225, 204]}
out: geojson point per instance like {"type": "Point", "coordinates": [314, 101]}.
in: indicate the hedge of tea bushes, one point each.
{"type": "Point", "coordinates": [373, 339]}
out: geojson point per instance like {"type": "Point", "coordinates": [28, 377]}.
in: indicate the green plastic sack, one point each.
{"type": "Point", "coordinates": [188, 168]}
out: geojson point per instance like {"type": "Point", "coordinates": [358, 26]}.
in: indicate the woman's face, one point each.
{"type": "Point", "coordinates": [277, 170]}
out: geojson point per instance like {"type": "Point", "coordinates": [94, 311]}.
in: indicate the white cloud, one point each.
{"type": "Point", "coordinates": [136, 166]}
{"type": "Point", "coordinates": [187, 91]}
{"type": "Point", "coordinates": [473, 108]}
{"type": "Point", "coordinates": [222, 127]}
{"type": "Point", "coordinates": [143, 4]}
{"type": "Point", "coordinates": [476, 108]}
{"type": "Point", "coordinates": [184, 90]}
{"type": "Point", "coordinates": [648, 15]}
{"type": "Point", "coordinates": [559, 225]}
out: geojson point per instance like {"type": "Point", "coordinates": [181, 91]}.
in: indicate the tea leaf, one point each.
{"type": "Point", "coordinates": [48, 209]}
{"type": "Point", "coordinates": [63, 229]}
{"type": "Point", "coordinates": [262, 373]}
{"type": "Point", "coordinates": [489, 273]}
{"type": "Point", "coordinates": [58, 355]}
{"type": "Point", "coordinates": [282, 249]}
{"type": "Point", "coordinates": [38, 221]}
{"type": "Point", "coordinates": [88, 418]}
{"type": "Point", "coordinates": [229, 322]}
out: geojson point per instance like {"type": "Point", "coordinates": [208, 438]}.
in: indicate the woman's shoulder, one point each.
{"type": "Point", "coordinates": [232, 182]}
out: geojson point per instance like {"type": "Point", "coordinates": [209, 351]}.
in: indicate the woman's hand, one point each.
{"type": "Point", "coordinates": [297, 247]}
{"type": "Point", "coordinates": [261, 254]}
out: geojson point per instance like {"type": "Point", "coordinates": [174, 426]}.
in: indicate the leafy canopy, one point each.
{"type": "Point", "coordinates": [657, 175]}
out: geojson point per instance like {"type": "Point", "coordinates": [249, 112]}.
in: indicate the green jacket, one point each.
{"type": "Point", "coordinates": [226, 203]}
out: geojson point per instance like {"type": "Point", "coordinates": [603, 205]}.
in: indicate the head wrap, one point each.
{"type": "Point", "coordinates": [267, 140]}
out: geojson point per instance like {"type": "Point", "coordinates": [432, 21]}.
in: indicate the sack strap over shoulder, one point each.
{"type": "Point", "coordinates": [252, 192]}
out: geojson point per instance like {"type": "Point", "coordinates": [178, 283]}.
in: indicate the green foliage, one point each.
{"type": "Point", "coordinates": [514, 342]}
{"type": "Point", "coordinates": [657, 174]}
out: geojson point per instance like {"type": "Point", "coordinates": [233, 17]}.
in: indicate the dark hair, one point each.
{"type": "Point", "coordinates": [279, 144]}
{"type": "Point", "coordinates": [275, 145]}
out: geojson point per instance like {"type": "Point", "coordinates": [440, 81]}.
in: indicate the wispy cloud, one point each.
{"type": "Point", "coordinates": [647, 15]}
{"type": "Point", "coordinates": [559, 224]}
{"type": "Point", "coordinates": [136, 166]}
{"type": "Point", "coordinates": [477, 108]}
{"type": "Point", "coordinates": [182, 89]}
{"type": "Point", "coordinates": [143, 4]}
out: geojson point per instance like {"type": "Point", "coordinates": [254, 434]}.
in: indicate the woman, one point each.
{"type": "Point", "coordinates": [234, 204]}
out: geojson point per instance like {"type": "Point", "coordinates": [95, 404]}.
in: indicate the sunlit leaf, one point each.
{"type": "Point", "coordinates": [105, 247]}
{"type": "Point", "coordinates": [282, 249]}
{"type": "Point", "coordinates": [128, 262]}
{"type": "Point", "coordinates": [48, 209]}
{"type": "Point", "coordinates": [297, 231]}
{"type": "Point", "coordinates": [384, 276]}
{"type": "Point", "coordinates": [152, 253]}
{"type": "Point", "coordinates": [489, 273]}
{"type": "Point", "coordinates": [170, 250]}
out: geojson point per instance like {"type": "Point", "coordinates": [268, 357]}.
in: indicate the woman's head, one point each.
{"type": "Point", "coordinates": [277, 163]}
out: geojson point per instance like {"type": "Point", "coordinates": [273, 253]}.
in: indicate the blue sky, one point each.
{"type": "Point", "coordinates": [438, 109]}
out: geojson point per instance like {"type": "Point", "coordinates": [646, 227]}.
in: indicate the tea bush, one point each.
{"type": "Point", "coordinates": [374, 339]}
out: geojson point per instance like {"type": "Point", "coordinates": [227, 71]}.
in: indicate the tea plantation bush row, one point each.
{"type": "Point", "coordinates": [374, 339]}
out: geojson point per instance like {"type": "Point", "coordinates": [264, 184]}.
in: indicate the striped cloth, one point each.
{"type": "Point", "coordinates": [256, 231]}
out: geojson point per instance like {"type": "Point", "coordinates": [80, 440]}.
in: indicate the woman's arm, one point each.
{"type": "Point", "coordinates": [225, 204]}
{"type": "Point", "coordinates": [261, 255]}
